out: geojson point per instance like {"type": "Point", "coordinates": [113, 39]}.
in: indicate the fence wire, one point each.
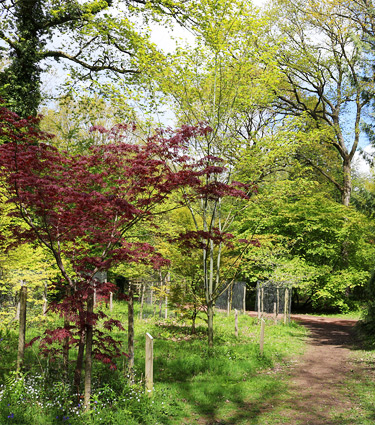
{"type": "Point", "coordinates": [268, 294]}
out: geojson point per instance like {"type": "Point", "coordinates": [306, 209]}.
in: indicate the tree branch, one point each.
{"type": "Point", "coordinates": [92, 67]}
{"type": "Point", "coordinates": [321, 171]}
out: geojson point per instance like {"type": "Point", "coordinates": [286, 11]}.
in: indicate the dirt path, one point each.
{"type": "Point", "coordinates": [318, 395]}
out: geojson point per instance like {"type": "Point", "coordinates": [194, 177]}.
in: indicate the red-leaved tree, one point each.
{"type": "Point", "coordinates": [81, 208]}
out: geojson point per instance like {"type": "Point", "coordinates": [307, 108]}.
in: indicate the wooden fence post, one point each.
{"type": "Point", "coordinates": [277, 301]}
{"type": "Point", "coordinates": [149, 369]}
{"type": "Point", "coordinates": [258, 296]}
{"type": "Point", "coordinates": [236, 323]}
{"type": "Point", "coordinates": [286, 306]}
{"type": "Point", "coordinates": [22, 328]}
{"type": "Point", "coordinates": [110, 301]}
{"type": "Point", "coordinates": [261, 342]}
{"type": "Point", "coordinates": [167, 284]}
{"type": "Point", "coordinates": [244, 300]}
{"type": "Point", "coordinates": [275, 312]}
{"type": "Point", "coordinates": [228, 302]}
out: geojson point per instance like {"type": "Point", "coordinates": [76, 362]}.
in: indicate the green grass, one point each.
{"type": "Point", "coordinates": [360, 387]}
{"type": "Point", "coordinates": [230, 383]}
{"type": "Point", "coordinates": [353, 315]}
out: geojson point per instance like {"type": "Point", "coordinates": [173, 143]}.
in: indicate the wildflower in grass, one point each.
{"type": "Point", "coordinates": [11, 416]}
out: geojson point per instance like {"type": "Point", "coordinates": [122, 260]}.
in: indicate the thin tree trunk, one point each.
{"type": "Point", "coordinates": [22, 329]}
{"type": "Point", "coordinates": [66, 346]}
{"type": "Point", "coordinates": [210, 323]}
{"type": "Point", "coordinates": [66, 351]}
{"type": "Point", "coordinates": [131, 332]}
{"type": "Point", "coordinates": [89, 339]}
{"type": "Point", "coordinates": [210, 304]}
{"type": "Point", "coordinates": [193, 319]}
{"type": "Point", "coordinates": [17, 318]}
{"type": "Point", "coordinates": [45, 301]}
{"type": "Point", "coordinates": [142, 300]}
{"type": "Point", "coordinates": [79, 362]}
{"type": "Point", "coordinates": [160, 307]}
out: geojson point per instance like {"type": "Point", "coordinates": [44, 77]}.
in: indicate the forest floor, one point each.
{"type": "Point", "coordinates": [328, 385]}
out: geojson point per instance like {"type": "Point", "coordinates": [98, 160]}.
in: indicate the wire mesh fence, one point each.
{"type": "Point", "coordinates": [234, 297]}
{"type": "Point", "coordinates": [273, 298]}
{"type": "Point", "coordinates": [154, 297]}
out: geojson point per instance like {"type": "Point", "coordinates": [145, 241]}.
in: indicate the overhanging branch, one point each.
{"type": "Point", "coordinates": [87, 65]}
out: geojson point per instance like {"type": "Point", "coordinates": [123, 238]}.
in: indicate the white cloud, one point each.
{"type": "Point", "coordinates": [360, 164]}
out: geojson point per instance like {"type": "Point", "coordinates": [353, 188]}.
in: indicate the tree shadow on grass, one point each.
{"type": "Point", "coordinates": [228, 403]}
{"type": "Point", "coordinates": [211, 391]}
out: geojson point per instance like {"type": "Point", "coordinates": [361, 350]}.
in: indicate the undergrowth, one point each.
{"type": "Point", "coordinates": [190, 381]}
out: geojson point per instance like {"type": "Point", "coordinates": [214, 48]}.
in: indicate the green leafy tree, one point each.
{"type": "Point", "coordinates": [301, 233]}
{"type": "Point", "coordinates": [327, 77]}
{"type": "Point", "coordinates": [20, 265]}
{"type": "Point", "coordinates": [222, 81]}
{"type": "Point", "coordinates": [93, 36]}
{"type": "Point", "coordinates": [74, 117]}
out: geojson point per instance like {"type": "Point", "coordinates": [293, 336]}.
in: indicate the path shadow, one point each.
{"type": "Point", "coordinates": [327, 331]}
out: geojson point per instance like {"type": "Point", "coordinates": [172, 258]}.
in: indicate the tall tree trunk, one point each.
{"type": "Point", "coordinates": [347, 183]}
{"type": "Point", "coordinates": [89, 338]}
{"type": "Point", "coordinates": [23, 85]}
